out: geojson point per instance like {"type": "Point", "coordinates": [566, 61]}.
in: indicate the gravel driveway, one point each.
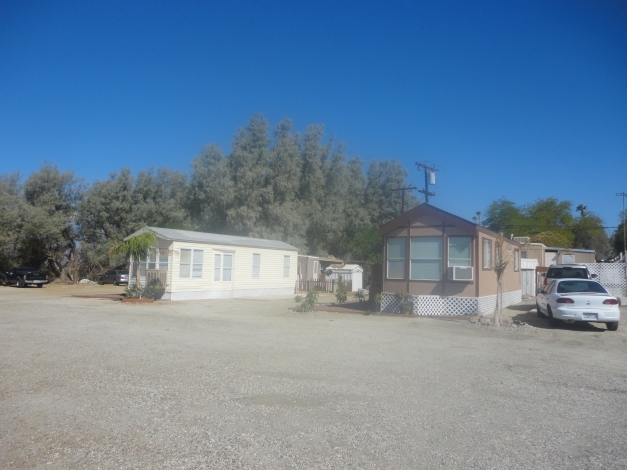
{"type": "Point", "coordinates": [93, 383]}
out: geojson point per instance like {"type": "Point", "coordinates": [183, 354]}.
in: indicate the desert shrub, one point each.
{"type": "Point", "coordinates": [360, 295]}
{"type": "Point", "coordinates": [340, 291]}
{"type": "Point", "coordinates": [307, 303]}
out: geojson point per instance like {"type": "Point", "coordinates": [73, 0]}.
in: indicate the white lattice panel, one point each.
{"type": "Point", "coordinates": [461, 305]}
{"type": "Point", "coordinates": [389, 303]}
{"type": "Point", "coordinates": [439, 305]}
{"type": "Point", "coordinates": [613, 276]}
{"type": "Point", "coordinates": [429, 305]}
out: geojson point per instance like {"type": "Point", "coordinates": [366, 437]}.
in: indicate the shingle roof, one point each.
{"type": "Point", "coordinates": [215, 238]}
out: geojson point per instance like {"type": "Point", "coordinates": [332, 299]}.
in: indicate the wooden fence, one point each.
{"type": "Point", "coordinates": [321, 286]}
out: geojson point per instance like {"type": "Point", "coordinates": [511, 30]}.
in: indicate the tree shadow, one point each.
{"type": "Point", "coordinates": [531, 318]}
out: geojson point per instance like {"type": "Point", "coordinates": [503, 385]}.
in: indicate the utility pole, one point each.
{"type": "Point", "coordinates": [402, 190]}
{"type": "Point", "coordinates": [429, 171]}
{"type": "Point", "coordinates": [624, 231]}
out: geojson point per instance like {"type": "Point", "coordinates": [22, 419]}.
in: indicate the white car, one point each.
{"type": "Point", "coordinates": [574, 300]}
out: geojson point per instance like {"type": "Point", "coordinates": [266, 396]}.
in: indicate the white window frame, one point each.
{"type": "Point", "coordinates": [469, 259]}
{"type": "Point", "coordinates": [220, 269]}
{"type": "Point", "coordinates": [487, 254]}
{"type": "Point", "coordinates": [195, 265]}
{"type": "Point", "coordinates": [414, 259]}
{"type": "Point", "coordinates": [516, 260]}
{"type": "Point", "coordinates": [256, 265]}
{"type": "Point", "coordinates": [187, 265]}
{"type": "Point", "coordinates": [403, 244]}
{"type": "Point", "coordinates": [286, 265]}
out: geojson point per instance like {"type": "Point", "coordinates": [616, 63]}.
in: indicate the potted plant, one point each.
{"type": "Point", "coordinates": [406, 304]}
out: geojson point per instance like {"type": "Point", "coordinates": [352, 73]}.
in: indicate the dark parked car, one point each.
{"type": "Point", "coordinates": [114, 277]}
{"type": "Point", "coordinates": [25, 276]}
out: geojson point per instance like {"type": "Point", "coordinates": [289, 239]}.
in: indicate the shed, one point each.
{"type": "Point", "coordinates": [351, 273]}
{"type": "Point", "coordinates": [445, 264]}
{"type": "Point", "coordinates": [197, 265]}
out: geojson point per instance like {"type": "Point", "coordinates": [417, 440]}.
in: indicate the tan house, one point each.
{"type": "Point", "coordinates": [445, 264]}
{"type": "Point", "coordinates": [548, 255]}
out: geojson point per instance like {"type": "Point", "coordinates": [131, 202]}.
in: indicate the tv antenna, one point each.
{"type": "Point", "coordinates": [402, 190]}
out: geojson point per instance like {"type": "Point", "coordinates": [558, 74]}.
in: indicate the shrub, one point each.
{"type": "Point", "coordinates": [361, 295]}
{"type": "Point", "coordinates": [137, 291]}
{"type": "Point", "coordinates": [340, 291]}
{"type": "Point", "coordinates": [308, 302]}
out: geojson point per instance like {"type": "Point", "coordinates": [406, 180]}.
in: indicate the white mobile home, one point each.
{"type": "Point", "coordinates": [196, 265]}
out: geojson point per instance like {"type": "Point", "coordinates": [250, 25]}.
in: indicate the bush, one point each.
{"type": "Point", "coordinates": [340, 291]}
{"type": "Point", "coordinates": [135, 291]}
{"type": "Point", "coordinates": [406, 303]}
{"type": "Point", "coordinates": [361, 295]}
{"type": "Point", "coordinates": [377, 299]}
{"type": "Point", "coordinates": [308, 302]}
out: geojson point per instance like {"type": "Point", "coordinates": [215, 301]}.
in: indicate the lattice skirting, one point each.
{"type": "Point", "coordinates": [440, 305]}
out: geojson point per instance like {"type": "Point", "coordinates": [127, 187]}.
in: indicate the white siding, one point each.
{"type": "Point", "coordinates": [270, 282]}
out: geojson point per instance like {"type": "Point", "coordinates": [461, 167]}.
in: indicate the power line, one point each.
{"type": "Point", "coordinates": [429, 171]}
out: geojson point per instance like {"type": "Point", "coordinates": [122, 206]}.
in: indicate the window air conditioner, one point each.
{"type": "Point", "coordinates": [461, 273]}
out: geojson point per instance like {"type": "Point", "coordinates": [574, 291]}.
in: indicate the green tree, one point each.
{"type": "Point", "coordinates": [46, 221]}
{"type": "Point", "coordinates": [503, 216]}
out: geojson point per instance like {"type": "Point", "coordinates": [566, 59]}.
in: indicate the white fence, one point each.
{"type": "Point", "coordinates": [613, 276]}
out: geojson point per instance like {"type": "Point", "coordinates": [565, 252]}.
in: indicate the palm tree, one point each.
{"type": "Point", "coordinates": [499, 266]}
{"type": "Point", "coordinates": [136, 248]}
{"type": "Point", "coordinates": [582, 209]}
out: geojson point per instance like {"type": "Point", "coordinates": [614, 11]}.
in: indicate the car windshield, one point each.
{"type": "Point", "coordinates": [569, 287]}
{"type": "Point", "coordinates": [567, 273]}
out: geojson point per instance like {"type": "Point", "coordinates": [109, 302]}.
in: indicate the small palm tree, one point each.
{"type": "Point", "coordinates": [501, 261]}
{"type": "Point", "coordinates": [136, 248]}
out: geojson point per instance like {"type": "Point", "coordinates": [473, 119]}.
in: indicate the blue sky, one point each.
{"type": "Point", "coordinates": [522, 100]}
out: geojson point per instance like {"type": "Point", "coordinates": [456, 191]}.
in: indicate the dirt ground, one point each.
{"type": "Point", "coordinates": [90, 383]}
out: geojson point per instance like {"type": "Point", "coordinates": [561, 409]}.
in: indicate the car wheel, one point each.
{"type": "Point", "coordinates": [552, 320]}
{"type": "Point", "coordinates": [539, 312]}
{"type": "Point", "coordinates": [19, 283]}
{"type": "Point", "coordinates": [115, 283]}
{"type": "Point", "coordinates": [612, 325]}
{"type": "Point", "coordinates": [100, 281]}
{"type": "Point", "coordinates": [40, 285]}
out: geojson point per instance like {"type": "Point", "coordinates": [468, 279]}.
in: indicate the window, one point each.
{"type": "Point", "coordinates": [223, 267]}
{"type": "Point", "coordinates": [396, 258]}
{"type": "Point", "coordinates": [286, 266]}
{"type": "Point", "coordinates": [197, 263]}
{"type": "Point", "coordinates": [227, 268]}
{"type": "Point", "coordinates": [256, 264]}
{"type": "Point", "coordinates": [157, 259]}
{"type": "Point", "coordinates": [523, 254]}
{"type": "Point", "coordinates": [217, 267]}
{"type": "Point", "coordinates": [191, 263]}
{"type": "Point", "coordinates": [426, 258]}
{"type": "Point", "coordinates": [315, 271]}
{"type": "Point", "coordinates": [459, 253]}
{"type": "Point", "coordinates": [487, 254]}
{"type": "Point", "coordinates": [186, 262]}
{"type": "Point", "coordinates": [516, 261]}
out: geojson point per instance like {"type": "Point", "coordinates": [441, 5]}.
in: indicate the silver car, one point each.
{"type": "Point", "coordinates": [114, 277]}
{"type": "Point", "coordinates": [574, 300]}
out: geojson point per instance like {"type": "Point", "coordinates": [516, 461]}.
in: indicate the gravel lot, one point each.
{"type": "Point", "coordinates": [93, 383]}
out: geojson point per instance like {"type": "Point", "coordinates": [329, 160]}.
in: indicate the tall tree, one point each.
{"type": "Point", "coordinates": [210, 191]}
{"type": "Point", "coordinates": [504, 216]}
{"type": "Point", "coordinates": [249, 168]}
{"type": "Point", "coordinates": [47, 219]}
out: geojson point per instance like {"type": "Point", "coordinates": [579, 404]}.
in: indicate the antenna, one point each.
{"type": "Point", "coordinates": [402, 190]}
{"type": "Point", "coordinates": [429, 177]}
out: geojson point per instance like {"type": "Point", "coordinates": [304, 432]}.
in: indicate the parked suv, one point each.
{"type": "Point", "coordinates": [114, 277]}
{"type": "Point", "coordinates": [567, 271]}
